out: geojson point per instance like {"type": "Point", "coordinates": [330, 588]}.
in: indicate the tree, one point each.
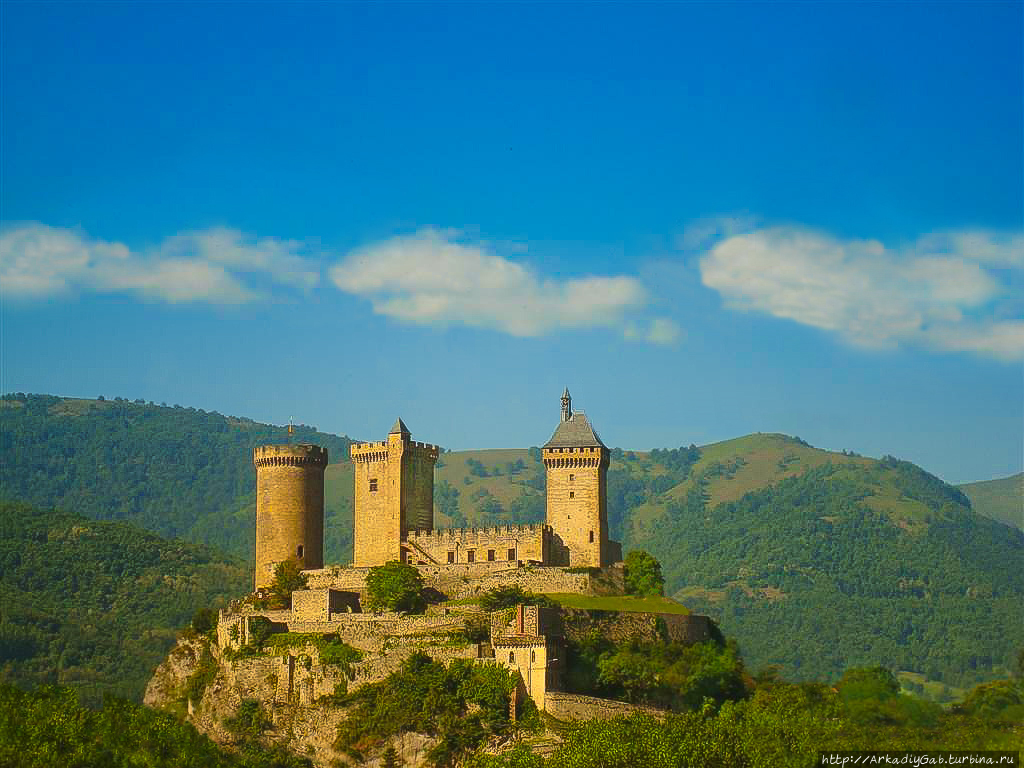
{"type": "Point", "coordinates": [394, 587]}
{"type": "Point", "coordinates": [643, 574]}
{"type": "Point", "coordinates": [287, 578]}
{"type": "Point", "coordinates": [204, 620]}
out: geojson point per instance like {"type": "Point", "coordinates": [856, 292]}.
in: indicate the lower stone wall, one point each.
{"type": "Point", "coordinates": [462, 580]}
{"type": "Point", "coordinates": [620, 627]}
{"type": "Point", "coordinates": [573, 706]}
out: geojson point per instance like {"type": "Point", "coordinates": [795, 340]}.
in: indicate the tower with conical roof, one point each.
{"type": "Point", "coordinates": [394, 494]}
{"type": "Point", "coordinates": [576, 463]}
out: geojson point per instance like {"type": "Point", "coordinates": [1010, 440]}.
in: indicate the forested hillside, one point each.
{"type": "Point", "coordinates": [97, 605]}
{"type": "Point", "coordinates": [179, 472]}
{"type": "Point", "coordinates": [851, 565]}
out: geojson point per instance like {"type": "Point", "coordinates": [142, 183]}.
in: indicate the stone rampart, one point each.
{"type": "Point", "coordinates": [652, 627]}
{"type": "Point", "coordinates": [502, 544]}
{"type": "Point", "coordinates": [573, 706]}
{"type": "Point", "coordinates": [464, 580]}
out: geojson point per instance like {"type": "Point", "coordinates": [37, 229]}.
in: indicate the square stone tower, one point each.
{"type": "Point", "coordinates": [394, 494]}
{"type": "Point", "coordinates": [576, 462]}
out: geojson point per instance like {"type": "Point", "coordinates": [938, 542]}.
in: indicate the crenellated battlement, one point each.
{"type": "Point", "coordinates": [462, 534]}
{"type": "Point", "coordinates": [583, 456]}
{"type": "Point", "coordinates": [302, 455]}
{"type": "Point", "coordinates": [379, 450]}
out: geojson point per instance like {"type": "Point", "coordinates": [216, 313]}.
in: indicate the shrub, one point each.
{"type": "Point", "coordinates": [643, 574]}
{"type": "Point", "coordinates": [395, 587]}
{"type": "Point", "coordinates": [288, 577]}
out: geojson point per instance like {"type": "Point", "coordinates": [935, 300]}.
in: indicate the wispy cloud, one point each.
{"type": "Point", "coordinates": [949, 291]}
{"type": "Point", "coordinates": [217, 265]}
{"type": "Point", "coordinates": [431, 278]}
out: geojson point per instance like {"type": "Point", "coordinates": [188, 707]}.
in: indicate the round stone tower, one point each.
{"type": "Point", "coordinates": [289, 507]}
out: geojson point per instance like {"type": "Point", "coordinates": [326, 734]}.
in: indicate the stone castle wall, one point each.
{"type": "Point", "coordinates": [652, 627]}
{"type": "Point", "coordinates": [464, 580]}
{"type": "Point", "coordinates": [574, 706]}
{"type": "Point", "coordinates": [289, 507]}
{"type": "Point", "coordinates": [503, 544]}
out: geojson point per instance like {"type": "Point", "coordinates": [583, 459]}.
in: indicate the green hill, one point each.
{"type": "Point", "coordinates": [1002, 500]}
{"type": "Point", "coordinates": [179, 472]}
{"type": "Point", "coordinates": [97, 605]}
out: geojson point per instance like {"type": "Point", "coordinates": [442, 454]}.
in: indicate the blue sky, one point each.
{"type": "Point", "coordinates": [706, 219]}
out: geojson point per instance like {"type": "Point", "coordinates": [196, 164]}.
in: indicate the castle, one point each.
{"type": "Point", "coordinates": [299, 655]}
{"type": "Point", "coordinates": [394, 507]}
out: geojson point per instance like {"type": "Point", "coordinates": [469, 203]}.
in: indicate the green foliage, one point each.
{"type": "Point", "coordinates": [249, 721]}
{"type": "Point", "coordinates": [643, 574]}
{"type": "Point", "coordinates": [509, 596]}
{"type": "Point", "coordinates": [394, 587]}
{"type": "Point", "coordinates": [663, 674]}
{"type": "Point", "coordinates": [48, 727]}
{"type": "Point", "coordinates": [476, 468]}
{"type": "Point", "coordinates": [780, 725]}
{"type": "Point", "coordinates": [288, 577]}
{"type": "Point", "coordinates": [446, 498]}
{"type": "Point", "coordinates": [816, 578]}
{"type": "Point", "coordinates": [1001, 700]}
{"type": "Point", "coordinates": [96, 605]}
{"type": "Point", "coordinates": [180, 472]}
{"type": "Point", "coordinates": [461, 705]}
{"type": "Point", "coordinates": [204, 620]}
{"type": "Point", "coordinates": [198, 681]}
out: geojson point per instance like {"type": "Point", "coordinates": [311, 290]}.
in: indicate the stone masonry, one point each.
{"type": "Point", "coordinates": [394, 494]}
{"type": "Point", "coordinates": [289, 507]}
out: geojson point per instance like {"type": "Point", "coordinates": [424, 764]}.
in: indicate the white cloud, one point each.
{"type": "Point", "coordinates": [660, 330]}
{"type": "Point", "coordinates": [38, 261]}
{"type": "Point", "coordinates": [940, 293]}
{"type": "Point", "coordinates": [429, 278]}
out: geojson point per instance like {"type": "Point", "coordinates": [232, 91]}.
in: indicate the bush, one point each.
{"type": "Point", "coordinates": [395, 587]}
{"type": "Point", "coordinates": [643, 575]}
{"type": "Point", "coordinates": [204, 620]}
{"type": "Point", "coordinates": [288, 577]}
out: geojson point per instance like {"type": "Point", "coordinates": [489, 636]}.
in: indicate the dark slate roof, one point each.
{"type": "Point", "coordinates": [575, 433]}
{"type": "Point", "coordinates": [399, 428]}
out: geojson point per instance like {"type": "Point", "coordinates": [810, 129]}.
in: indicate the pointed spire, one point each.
{"type": "Point", "coordinates": [400, 428]}
{"type": "Point", "coordinates": [566, 405]}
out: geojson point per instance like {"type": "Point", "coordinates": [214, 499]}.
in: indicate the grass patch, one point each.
{"type": "Point", "coordinates": [625, 604]}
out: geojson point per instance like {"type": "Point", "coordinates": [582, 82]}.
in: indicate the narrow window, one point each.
{"type": "Point", "coordinates": [373, 485]}
{"type": "Point", "coordinates": [572, 494]}
{"type": "Point", "coordinates": [571, 477]}
{"type": "Point", "coordinates": [591, 537]}
{"type": "Point", "coordinates": [490, 555]}
{"type": "Point", "coordinates": [451, 557]}
{"type": "Point", "coordinates": [511, 657]}
{"type": "Point", "coordinates": [511, 554]}
{"type": "Point", "coordinates": [470, 555]}
{"type": "Point", "coordinates": [533, 655]}
{"type": "Point", "coordinates": [298, 552]}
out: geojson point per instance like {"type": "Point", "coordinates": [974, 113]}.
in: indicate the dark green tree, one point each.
{"type": "Point", "coordinates": [394, 587]}
{"type": "Point", "coordinates": [643, 574]}
{"type": "Point", "coordinates": [287, 578]}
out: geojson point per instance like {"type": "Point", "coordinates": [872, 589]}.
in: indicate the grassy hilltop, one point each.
{"type": "Point", "coordinates": [813, 560]}
{"type": "Point", "coordinates": [1002, 499]}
